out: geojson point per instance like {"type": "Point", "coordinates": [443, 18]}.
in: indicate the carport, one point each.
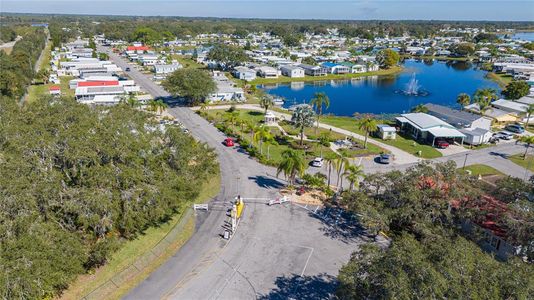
{"type": "Point", "coordinates": [446, 133]}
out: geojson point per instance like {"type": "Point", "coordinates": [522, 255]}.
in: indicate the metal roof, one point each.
{"type": "Point", "coordinates": [445, 132]}
{"type": "Point", "coordinates": [425, 121]}
{"type": "Point", "coordinates": [454, 117]}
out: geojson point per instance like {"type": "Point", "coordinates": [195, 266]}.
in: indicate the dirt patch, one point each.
{"type": "Point", "coordinates": [492, 179]}
{"type": "Point", "coordinates": [310, 197]}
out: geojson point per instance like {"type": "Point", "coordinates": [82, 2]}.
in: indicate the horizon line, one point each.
{"type": "Point", "coordinates": [267, 19]}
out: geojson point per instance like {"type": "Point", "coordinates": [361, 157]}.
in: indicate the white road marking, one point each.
{"type": "Point", "coordinates": [307, 260]}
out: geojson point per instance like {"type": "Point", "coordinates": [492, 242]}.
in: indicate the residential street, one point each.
{"type": "Point", "coordinates": [269, 249]}
{"type": "Point", "coordinates": [266, 234]}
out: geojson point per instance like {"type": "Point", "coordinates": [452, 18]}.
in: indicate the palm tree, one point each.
{"type": "Point", "coordinates": [484, 97]}
{"type": "Point", "coordinates": [319, 99]}
{"type": "Point", "coordinates": [420, 108]}
{"type": "Point", "coordinates": [529, 111]}
{"type": "Point", "coordinates": [292, 164]}
{"type": "Point", "coordinates": [251, 128]}
{"type": "Point", "coordinates": [463, 99]}
{"type": "Point", "coordinates": [340, 163]}
{"type": "Point", "coordinates": [353, 174]}
{"type": "Point", "coordinates": [152, 105]}
{"type": "Point", "coordinates": [161, 106]}
{"type": "Point", "coordinates": [203, 106]}
{"type": "Point", "coordinates": [330, 161]}
{"type": "Point", "coordinates": [266, 101]}
{"type": "Point", "coordinates": [232, 118]}
{"type": "Point", "coordinates": [262, 134]}
{"type": "Point", "coordinates": [527, 140]}
{"type": "Point", "coordinates": [131, 101]}
{"type": "Point", "coordinates": [303, 117]}
{"type": "Point", "coordinates": [368, 125]}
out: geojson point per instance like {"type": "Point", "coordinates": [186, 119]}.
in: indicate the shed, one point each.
{"type": "Point", "coordinates": [269, 119]}
{"type": "Point", "coordinates": [477, 136]}
{"type": "Point", "coordinates": [386, 132]}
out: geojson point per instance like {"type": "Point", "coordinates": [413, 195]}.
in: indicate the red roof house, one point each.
{"type": "Point", "coordinates": [54, 90]}
{"type": "Point", "coordinates": [98, 83]}
{"type": "Point", "coordinates": [137, 48]}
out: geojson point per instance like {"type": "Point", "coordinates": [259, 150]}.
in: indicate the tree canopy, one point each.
{"type": "Point", "coordinates": [227, 56]}
{"type": "Point", "coordinates": [463, 49]}
{"type": "Point", "coordinates": [430, 257]}
{"type": "Point", "coordinates": [516, 89]}
{"type": "Point", "coordinates": [387, 58]}
{"type": "Point", "coordinates": [194, 85]}
{"type": "Point", "coordinates": [76, 180]}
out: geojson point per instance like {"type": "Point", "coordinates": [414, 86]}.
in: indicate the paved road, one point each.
{"type": "Point", "coordinates": [276, 252]}
{"type": "Point", "coordinates": [269, 248]}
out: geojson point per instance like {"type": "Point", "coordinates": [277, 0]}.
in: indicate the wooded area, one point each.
{"type": "Point", "coordinates": [431, 257]}
{"type": "Point", "coordinates": [75, 181]}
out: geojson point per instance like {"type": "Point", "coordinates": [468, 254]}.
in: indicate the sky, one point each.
{"type": "Point", "coordinates": [495, 10]}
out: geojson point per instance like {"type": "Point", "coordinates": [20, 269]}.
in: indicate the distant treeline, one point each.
{"type": "Point", "coordinates": [132, 28]}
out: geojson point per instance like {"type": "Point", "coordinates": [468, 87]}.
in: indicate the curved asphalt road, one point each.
{"type": "Point", "coordinates": [268, 246]}
{"type": "Point", "coordinates": [239, 174]}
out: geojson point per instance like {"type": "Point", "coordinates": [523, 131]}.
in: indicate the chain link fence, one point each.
{"type": "Point", "coordinates": [131, 271]}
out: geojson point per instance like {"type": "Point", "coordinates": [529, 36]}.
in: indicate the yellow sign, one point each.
{"type": "Point", "coordinates": [239, 206]}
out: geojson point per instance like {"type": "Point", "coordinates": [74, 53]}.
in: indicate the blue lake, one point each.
{"type": "Point", "coordinates": [522, 35]}
{"type": "Point", "coordinates": [380, 94]}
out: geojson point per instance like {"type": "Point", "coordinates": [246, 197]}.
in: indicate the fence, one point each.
{"type": "Point", "coordinates": [132, 270]}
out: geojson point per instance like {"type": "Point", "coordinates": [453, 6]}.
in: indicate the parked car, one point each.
{"type": "Point", "coordinates": [384, 158]}
{"type": "Point", "coordinates": [317, 162]}
{"type": "Point", "coordinates": [442, 144]}
{"type": "Point", "coordinates": [127, 69]}
{"type": "Point", "coordinates": [228, 142]}
{"type": "Point", "coordinates": [503, 135]}
{"type": "Point", "coordinates": [515, 128]}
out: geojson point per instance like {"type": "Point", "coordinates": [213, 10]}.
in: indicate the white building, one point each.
{"type": "Point", "coordinates": [244, 73]}
{"type": "Point", "coordinates": [166, 69]}
{"type": "Point", "coordinates": [267, 72]}
{"type": "Point", "coordinates": [292, 71]}
{"type": "Point", "coordinates": [226, 90]}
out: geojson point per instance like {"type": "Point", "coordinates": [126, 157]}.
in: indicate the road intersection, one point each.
{"type": "Point", "coordinates": [277, 248]}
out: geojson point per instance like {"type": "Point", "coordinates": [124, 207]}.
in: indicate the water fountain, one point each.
{"type": "Point", "coordinates": [413, 88]}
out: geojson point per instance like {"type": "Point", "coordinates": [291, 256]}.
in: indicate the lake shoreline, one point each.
{"type": "Point", "coordinates": [282, 79]}
{"type": "Point", "coordinates": [440, 82]}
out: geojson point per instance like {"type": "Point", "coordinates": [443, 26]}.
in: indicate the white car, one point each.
{"type": "Point", "coordinates": [317, 162]}
{"type": "Point", "coordinates": [504, 135]}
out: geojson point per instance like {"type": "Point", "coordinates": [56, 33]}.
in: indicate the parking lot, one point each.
{"type": "Point", "coordinates": [278, 252]}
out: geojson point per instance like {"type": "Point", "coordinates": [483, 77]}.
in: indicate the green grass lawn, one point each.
{"type": "Point", "coordinates": [484, 170]}
{"type": "Point", "coordinates": [47, 56]}
{"type": "Point", "coordinates": [187, 62]}
{"type": "Point", "coordinates": [274, 151]}
{"type": "Point", "coordinates": [501, 79]}
{"type": "Point", "coordinates": [130, 252]}
{"type": "Point", "coordinates": [437, 57]}
{"type": "Point", "coordinates": [527, 163]}
{"type": "Point", "coordinates": [400, 142]}
{"type": "Point", "coordinates": [35, 91]}
{"type": "Point", "coordinates": [283, 79]}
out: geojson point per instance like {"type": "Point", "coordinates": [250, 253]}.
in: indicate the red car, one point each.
{"type": "Point", "coordinates": [228, 142]}
{"type": "Point", "coordinates": [442, 144]}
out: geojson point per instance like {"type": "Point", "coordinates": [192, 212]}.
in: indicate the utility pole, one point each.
{"type": "Point", "coordinates": [465, 160]}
